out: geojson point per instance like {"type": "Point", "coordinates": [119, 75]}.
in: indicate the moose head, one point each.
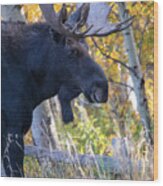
{"type": "Point", "coordinates": [80, 72]}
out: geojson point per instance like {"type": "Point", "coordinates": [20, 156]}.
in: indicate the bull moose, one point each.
{"type": "Point", "coordinates": [44, 59]}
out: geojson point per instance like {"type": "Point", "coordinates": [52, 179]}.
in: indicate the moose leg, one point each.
{"type": "Point", "coordinates": [67, 114]}
{"type": "Point", "coordinates": [66, 94]}
{"type": "Point", "coordinates": [13, 152]}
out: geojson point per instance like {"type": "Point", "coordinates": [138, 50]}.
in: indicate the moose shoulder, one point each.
{"type": "Point", "coordinates": [42, 60]}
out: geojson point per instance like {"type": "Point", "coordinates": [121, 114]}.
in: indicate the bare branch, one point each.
{"type": "Point", "coordinates": [121, 84]}
{"type": "Point", "coordinates": [113, 59]}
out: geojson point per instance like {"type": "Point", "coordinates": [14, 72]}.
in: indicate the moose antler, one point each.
{"type": "Point", "coordinates": [94, 16]}
{"type": "Point", "coordinates": [64, 25]}
{"type": "Point", "coordinates": [99, 18]}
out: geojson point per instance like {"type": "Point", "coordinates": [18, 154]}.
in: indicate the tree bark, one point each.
{"type": "Point", "coordinates": [137, 76]}
{"type": "Point", "coordinates": [44, 132]}
{"type": "Point", "coordinates": [108, 163]}
{"type": "Point", "coordinates": [111, 164]}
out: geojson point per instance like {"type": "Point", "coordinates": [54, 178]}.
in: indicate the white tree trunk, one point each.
{"type": "Point", "coordinates": [43, 127]}
{"type": "Point", "coordinates": [137, 77]}
{"type": "Point", "coordinates": [44, 133]}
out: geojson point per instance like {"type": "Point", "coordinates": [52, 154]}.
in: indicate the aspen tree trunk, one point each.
{"type": "Point", "coordinates": [137, 77]}
{"type": "Point", "coordinates": [44, 134]}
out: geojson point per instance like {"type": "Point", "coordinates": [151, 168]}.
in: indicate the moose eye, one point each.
{"type": "Point", "coordinates": [74, 52]}
{"type": "Point", "coordinates": [69, 41]}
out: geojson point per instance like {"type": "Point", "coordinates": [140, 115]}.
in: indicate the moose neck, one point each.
{"type": "Point", "coordinates": [44, 90]}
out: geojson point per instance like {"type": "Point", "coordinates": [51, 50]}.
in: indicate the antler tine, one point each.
{"type": "Point", "coordinates": [53, 19]}
{"type": "Point", "coordinates": [78, 18]}
{"type": "Point", "coordinates": [83, 18]}
{"type": "Point", "coordinates": [112, 28]}
{"type": "Point", "coordinates": [84, 14]}
{"type": "Point", "coordinates": [76, 21]}
{"type": "Point", "coordinates": [56, 20]}
{"type": "Point", "coordinates": [62, 17]}
{"type": "Point", "coordinates": [61, 24]}
{"type": "Point", "coordinates": [63, 14]}
{"type": "Point", "coordinates": [83, 34]}
{"type": "Point", "coordinates": [110, 9]}
{"type": "Point", "coordinates": [97, 21]}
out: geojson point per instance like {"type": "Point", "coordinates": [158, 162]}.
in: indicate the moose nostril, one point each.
{"type": "Point", "coordinates": [99, 91]}
{"type": "Point", "coordinates": [100, 95]}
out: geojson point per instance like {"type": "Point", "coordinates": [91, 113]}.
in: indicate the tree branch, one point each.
{"type": "Point", "coordinates": [121, 84]}
{"type": "Point", "coordinates": [113, 59]}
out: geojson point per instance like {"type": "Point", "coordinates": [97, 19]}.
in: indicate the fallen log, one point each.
{"type": "Point", "coordinates": [108, 163]}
